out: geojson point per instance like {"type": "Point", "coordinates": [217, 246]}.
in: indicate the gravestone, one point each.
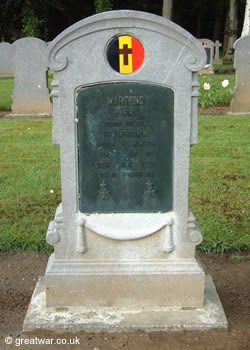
{"type": "Point", "coordinates": [209, 49]}
{"type": "Point", "coordinates": [217, 59]}
{"type": "Point", "coordinates": [240, 101]}
{"type": "Point", "coordinates": [5, 59]}
{"type": "Point", "coordinates": [125, 115]}
{"type": "Point", "coordinates": [29, 65]}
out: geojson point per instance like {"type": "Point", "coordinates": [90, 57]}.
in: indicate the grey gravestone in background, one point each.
{"type": "Point", "coordinates": [241, 101]}
{"type": "Point", "coordinates": [217, 59]}
{"type": "Point", "coordinates": [6, 55]}
{"type": "Point", "coordinates": [125, 115]}
{"type": "Point", "coordinates": [209, 48]}
{"type": "Point", "coordinates": [31, 94]}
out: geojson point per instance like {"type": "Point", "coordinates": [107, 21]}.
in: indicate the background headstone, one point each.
{"type": "Point", "coordinates": [209, 49]}
{"type": "Point", "coordinates": [6, 56]}
{"type": "Point", "coordinates": [31, 94]}
{"type": "Point", "coordinates": [241, 94]}
{"type": "Point", "coordinates": [217, 59]}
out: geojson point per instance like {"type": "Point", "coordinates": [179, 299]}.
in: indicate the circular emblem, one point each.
{"type": "Point", "coordinates": [125, 54]}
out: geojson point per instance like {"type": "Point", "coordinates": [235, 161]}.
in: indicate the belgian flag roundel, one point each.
{"type": "Point", "coordinates": [125, 54]}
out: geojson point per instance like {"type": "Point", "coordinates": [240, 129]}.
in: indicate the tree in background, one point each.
{"type": "Point", "coordinates": [246, 24]}
{"type": "Point", "coordinates": [30, 22]}
{"type": "Point", "coordinates": [216, 20]}
{"type": "Point", "coordinates": [233, 26]}
{"type": "Point", "coordinates": [220, 10]}
{"type": "Point", "coordinates": [10, 25]}
{"type": "Point", "coordinates": [231, 29]}
{"type": "Point", "coordinates": [167, 8]}
{"type": "Point", "coordinates": [48, 18]}
{"type": "Point", "coordinates": [103, 5]}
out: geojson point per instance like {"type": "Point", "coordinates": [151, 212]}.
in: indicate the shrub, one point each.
{"type": "Point", "coordinates": [215, 90]}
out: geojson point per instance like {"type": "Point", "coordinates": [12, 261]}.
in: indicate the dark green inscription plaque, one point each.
{"type": "Point", "coordinates": [125, 135]}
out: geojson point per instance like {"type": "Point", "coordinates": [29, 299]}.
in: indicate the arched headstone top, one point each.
{"type": "Point", "coordinates": [125, 21]}
{"type": "Point", "coordinates": [241, 42]}
{"type": "Point", "coordinates": [29, 65]}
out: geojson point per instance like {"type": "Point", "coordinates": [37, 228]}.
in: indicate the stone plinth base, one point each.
{"type": "Point", "coordinates": [240, 104]}
{"type": "Point", "coordinates": [207, 70]}
{"type": "Point", "coordinates": [124, 285]}
{"type": "Point", "coordinates": [40, 317]}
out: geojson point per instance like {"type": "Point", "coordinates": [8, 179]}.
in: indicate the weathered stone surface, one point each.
{"type": "Point", "coordinates": [124, 259]}
{"type": "Point", "coordinates": [147, 319]}
{"type": "Point", "coordinates": [208, 70]}
{"type": "Point", "coordinates": [31, 94]}
{"type": "Point", "coordinates": [241, 102]}
{"type": "Point", "coordinates": [158, 252]}
{"type": "Point", "coordinates": [6, 56]}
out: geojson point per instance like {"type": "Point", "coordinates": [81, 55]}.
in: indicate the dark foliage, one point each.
{"type": "Point", "coordinates": [203, 18]}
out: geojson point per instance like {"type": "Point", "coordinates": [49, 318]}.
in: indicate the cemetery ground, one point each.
{"type": "Point", "coordinates": [30, 192]}
{"type": "Point", "coordinates": [219, 193]}
{"type": "Point", "coordinates": [19, 272]}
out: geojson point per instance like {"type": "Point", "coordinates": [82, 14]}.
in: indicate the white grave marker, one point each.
{"type": "Point", "coordinates": [6, 55]}
{"type": "Point", "coordinates": [241, 101]}
{"type": "Point", "coordinates": [125, 116]}
{"type": "Point", "coordinates": [217, 59]}
{"type": "Point", "coordinates": [31, 94]}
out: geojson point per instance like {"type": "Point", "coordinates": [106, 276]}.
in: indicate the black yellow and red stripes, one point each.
{"type": "Point", "coordinates": [125, 54]}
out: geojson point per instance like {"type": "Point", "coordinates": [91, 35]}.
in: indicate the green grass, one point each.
{"type": "Point", "coordinates": [219, 178]}
{"type": "Point", "coordinates": [6, 89]}
{"type": "Point", "coordinates": [29, 170]}
{"type": "Point", "coordinates": [224, 66]}
{"type": "Point", "coordinates": [219, 182]}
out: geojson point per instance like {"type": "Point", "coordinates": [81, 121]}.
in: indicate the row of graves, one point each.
{"type": "Point", "coordinates": [125, 111]}
{"type": "Point", "coordinates": [125, 114]}
{"type": "Point", "coordinates": [212, 51]}
{"type": "Point", "coordinates": [27, 60]}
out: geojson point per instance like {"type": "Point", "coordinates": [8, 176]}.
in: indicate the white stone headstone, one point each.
{"type": "Point", "coordinates": [31, 94]}
{"type": "Point", "coordinates": [125, 115]}
{"type": "Point", "coordinates": [241, 101]}
{"type": "Point", "coordinates": [6, 56]}
{"type": "Point", "coordinates": [217, 59]}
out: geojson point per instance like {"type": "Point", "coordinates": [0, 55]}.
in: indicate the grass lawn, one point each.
{"type": "Point", "coordinates": [218, 183]}
{"type": "Point", "coordinates": [6, 89]}
{"type": "Point", "coordinates": [29, 170]}
{"type": "Point", "coordinates": [224, 66]}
